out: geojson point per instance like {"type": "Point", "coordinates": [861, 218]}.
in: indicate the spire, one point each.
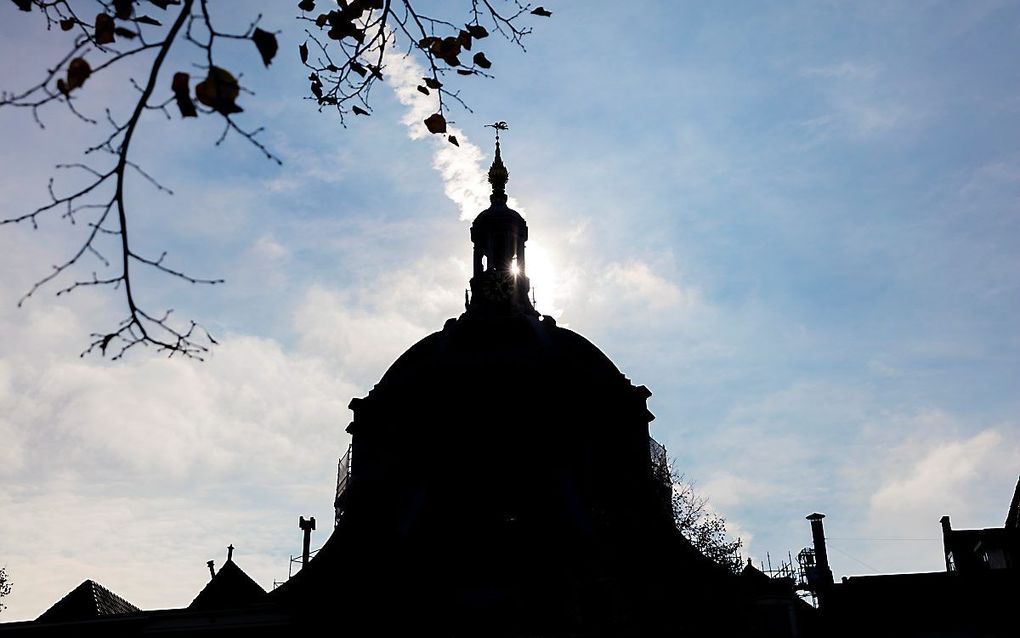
{"type": "Point", "coordinates": [498, 175]}
{"type": "Point", "coordinates": [500, 283]}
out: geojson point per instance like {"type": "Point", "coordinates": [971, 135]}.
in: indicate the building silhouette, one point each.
{"type": "Point", "coordinates": [975, 596]}
{"type": "Point", "coordinates": [977, 550]}
{"type": "Point", "coordinates": [501, 481]}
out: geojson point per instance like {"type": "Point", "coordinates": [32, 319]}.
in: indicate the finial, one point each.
{"type": "Point", "coordinates": [498, 175]}
{"type": "Point", "coordinates": [230, 552]}
{"type": "Point", "coordinates": [499, 126]}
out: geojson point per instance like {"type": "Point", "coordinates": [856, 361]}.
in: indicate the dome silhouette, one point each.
{"type": "Point", "coordinates": [524, 349]}
{"type": "Point", "coordinates": [501, 478]}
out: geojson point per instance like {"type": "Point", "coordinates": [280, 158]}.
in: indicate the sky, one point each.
{"type": "Point", "coordinates": [797, 223]}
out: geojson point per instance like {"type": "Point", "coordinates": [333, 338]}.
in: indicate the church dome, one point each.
{"type": "Point", "coordinates": [498, 213]}
{"type": "Point", "coordinates": [500, 362]}
{"type": "Point", "coordinates": [501, 466]}
{"type": "Point", "coordinates": [521, 350]}
{"type": "Point", "coordinates": [501, 481]}
{"type": "Point", "coordinates": [500, 345]}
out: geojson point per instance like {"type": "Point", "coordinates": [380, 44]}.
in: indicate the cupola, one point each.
{"type": "Point", "coordinates": [499, 282]}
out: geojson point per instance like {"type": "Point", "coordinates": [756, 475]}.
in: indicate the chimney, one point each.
{"type": "Point", "coordinates": [307, 526]}
{"type": "Point", "coordinates": [212, 570]}
{"type": "Point", "coordinates": [947, 551]}
{"type": "Point", "coordinates": [823, 576]}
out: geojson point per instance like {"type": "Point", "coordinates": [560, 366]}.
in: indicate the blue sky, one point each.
{"type": "Point", "coordinates": [797, 223]}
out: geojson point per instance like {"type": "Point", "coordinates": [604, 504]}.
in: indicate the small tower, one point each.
{"type": "Point", "coordinates": [499, 282]}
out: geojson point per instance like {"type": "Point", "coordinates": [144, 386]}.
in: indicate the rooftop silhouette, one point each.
{"type": "Point", "coordinates": [501, 480]}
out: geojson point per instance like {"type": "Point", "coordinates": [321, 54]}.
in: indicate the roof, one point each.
{"type": "Point", "coordinates": [968, 545]}
{"type": "Point", "coordinates": [87, 600]}
{"type": "Point", "coordinates": [505, 345]}
{"type": "Point", "coordinates": [930, 589]}
{"type": "Point", "coordinates": [762, 582]}
{"type": "Point", "coordinates": [1013, 517]}
{"type": "Point", "coordinates": [883, 582]}
{"type": "Point", "coordinates": [230, 588]}
{"type": "Point", "coordinates": [498, 214]}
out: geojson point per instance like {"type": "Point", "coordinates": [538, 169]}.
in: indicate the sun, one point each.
{"type": "Point", "coordinates": [540, 270]}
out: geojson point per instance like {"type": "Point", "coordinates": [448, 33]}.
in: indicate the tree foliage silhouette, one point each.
{"type": "Point", "coordinates": [6, 584]}
{"type": "Point", "coordinates": [346, 46]}
{"type": "Point", "coordinates": [703, 528]}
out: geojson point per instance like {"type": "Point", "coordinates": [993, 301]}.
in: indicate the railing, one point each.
{"type": "Point", "coordinates": [343, 479]}
{"type": "Point", "coordinates": [299, 561]}
{"type": "Point", "coordinates": [294, 560]}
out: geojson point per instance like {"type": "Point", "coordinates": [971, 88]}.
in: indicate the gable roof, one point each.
{"type": "Point", "coordinates": [228, 589]}
{"type": "Point", "coordinates": [87, 600]}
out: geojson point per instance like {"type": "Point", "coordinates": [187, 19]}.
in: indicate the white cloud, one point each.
{"type": "Point", "coordinates": [559, 268]}
{"type": "Point", "coordinates": [878, 473]}
{"type": "Point", "coordinates": [638, 291]}
{"type": "Point", "coordinates": [309, 166]}
{"type": "Point", "coordinates": [122, 470]}
{"type": "Point", "coordinates": [367, 328]}
{"type": "Point", "coordinates": [263, 266]}
{"type": "Point", "coordinates": [150, 549]}
{"type": "Point", "coordinates": [105, 457]}
{"type": "Point", "coordinates": [726, 490]}
{"type": "Point", "coordinates": [152, 465]}
{"type": "Point", "coordinates": [465, 180]}
{"type": "Point", "coordinates": [862, 103]}
{"type": "Point", "coordinates": [118, 471]}
{"type": "Point", "coordinates": [637, 283]}
{"type": "Point", "coordinates": [937, 468]}
{"type": "Point", "coordinates": [965, 477]}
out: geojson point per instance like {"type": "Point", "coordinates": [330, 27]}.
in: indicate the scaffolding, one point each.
{"type": "Point", "coordinates": [799, 572]}
{"type": "Point", "coordinates": [343, 479]}
{"type": "Point", "coordinates": [294, 560]}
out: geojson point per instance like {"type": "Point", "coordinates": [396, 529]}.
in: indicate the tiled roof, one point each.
{"type": "Point", "coordinates": [87, 600]}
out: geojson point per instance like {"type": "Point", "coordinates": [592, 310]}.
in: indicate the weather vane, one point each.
{"type": "Point", "coordinates": [498, 126]}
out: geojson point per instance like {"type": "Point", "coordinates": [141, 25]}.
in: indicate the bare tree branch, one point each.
{"type": "Point", "coordinates": [352, 42]}
{"type": "Point", "coordinates": [703, 528]}
{"type": "Point", "coordinates": [111, 212]}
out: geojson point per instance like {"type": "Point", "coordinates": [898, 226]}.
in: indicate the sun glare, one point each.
{"type": "Point", "coordinates": [543, 277]}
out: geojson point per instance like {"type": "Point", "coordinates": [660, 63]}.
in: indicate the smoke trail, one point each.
{"type": "Point", "coordinates": [461, 168]}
